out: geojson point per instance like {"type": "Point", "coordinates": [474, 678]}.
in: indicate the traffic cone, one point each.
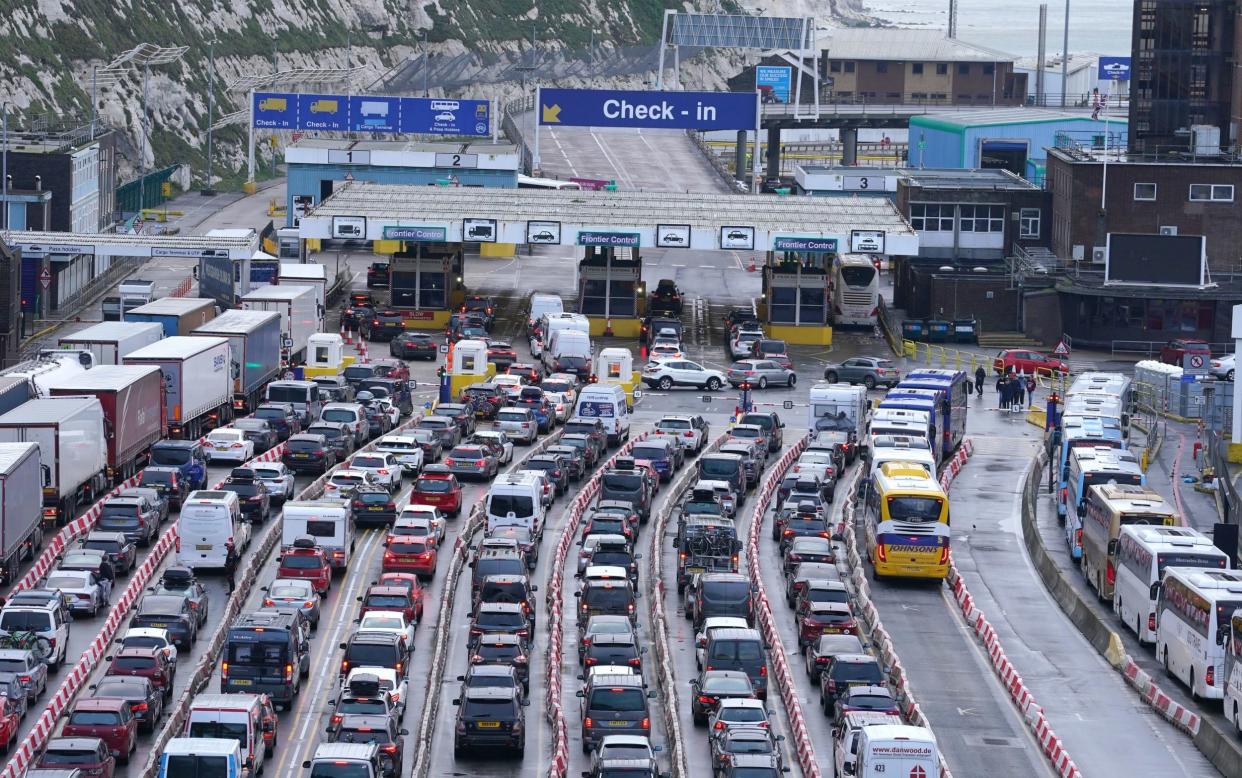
{"type": "Point", "coordinates": [363, 358]}
{"type": "Point", "coordinates": [751, 267]}
{"type": "Point", "coordinates": [608, 329]}
{"type": "Point", "coordinates": [346, 335]}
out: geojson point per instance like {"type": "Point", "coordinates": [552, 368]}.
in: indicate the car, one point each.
{"type": "Point", "coordinates": [690, 430]}
{"type": "Point", "coordinates": [373, 505]}
{"type": "Point", "coordinates": [374, 690]}
{"type": "Point", "coordinates": [345, 481]}
{"type": "Point", "coordinates": [420, 521]}
{"type": "Point", "coordinates": [445, 429]}
{"type": "Point", "coordinates": [338, 437]}
{"type": "Point", "coordinates": [171, 612]}
{"type": "Point", "coordinates": [1026, 362]}
{"type": "Point", "coordinates": [807, 549]}
{"type": "Point", "coordinates": [109, 719]}
{"type": "Point", "coordinates": [383, 468]}
{"type": "Point", "coordinates": [661, 351]}
{"type": "Point", "coordinates": [30, 671]}
{"type": "Point", "coordinates": [296, 593]}
{"type": "Point", "coordinates": [119, 548]}
{"type": "Point", "coordinates": [282, 416]}
{"type": "Point", "coordinates": [556, 468]}
{"type": "Point", "coordinates": [490, 717]}
{"type": "Point", "coordinates": [414, 345]}
{"type": "Point", "coordinates": [87, 756]}
{"type": "Point", "coordinates": [713, 686]}
{"type": "Point", "coordinates": [357, 318]}
{"type": "Point", "coordinates": [498, 442]}
{"type": "Point", "coordinates": [738, 745]}
{"type": "Point", "coordinates": [615, 651]}
{"type": "Point", "coordinates": [599, 626]}
{"type": "Point", "coordinates": [386, 324]}
{"type": "Point", "coordinates": [388, 621]}
{"type": "Point", "coordinates": [180, 582]}
{"type": "Point", "coordinates": [665, 298]}
{"type": "Point", "coordinates": [258, 432]}
{"type": "Point", "coordinates": [511, 385]}
{"type": "Point", "coordinates": [307, 561]}
{"type": "Point", "coordinates": [507, 651]}
{"type": "Point", "coordinates": [277, 478]}
{"type": "Point", "coordinates": [482, 306]}
{"type": "Point", "coordinates": [819, 653]}
{"type": "Point", "coordinates": [530, 374]}
{"type": "Point", "coordinates": [878, 699]}
{"type": "Point", "coordinates": [843, 671]}
{"type": "Point", "coordinates": [632, 748]}
{"type": "Point", "coordinates": [741, 338]}
{"type": "Point", "coordinates": [868, 371]}
{"type": "Point", "coordinates": [437, 486]}
{"type": "Point", "coordinates": [338, 389]}
{"type": "Point", "coordinates": [585, 446]}
{"type": "Point", "coordinates": [167, 481]}
{"type": "Point", "coordinates": [410, 554]}
{"type": "Point", "coordinates": [479, 462]}
{"type": "Point", "coordinates": [491, 677]}
{"type": "Point", "coordinates": [666, 374]}
{"type": "Point", "coordinates": [228, 444]}
{"type": "Point", "coordinates": [377, 275]}
{"type": "Point", "coordinates": [149, 662]}
{"type": "Point", "coordinates": [772, 350]}
{"type": "Point", "coordinates": [710, 624]}
{"type": "Point", "coordinates": [381, 730]}
{"type": "Point", "coordinates": [144, 698]}
{"type": "Point", "coordinates": [760, 374]}
{"type": "Point", "coordinates": [614, 597]}
{"type": "Point", "coordinates": [823, 618]}
{"type": "Point", "coordinates": [10, 726]}
{"type": "Point", "coordinates": [500, 353]}
{"type": "Point", "coordinates": [150, 637]}
{"type": "Point", "coordinates": [736, 713]}
{"type": "Point", "coordinates": [428, 441]}
{"type": "Point", "coordinates": [256, 503]}
{"type": "Point", "coordinates": [80, 588]}
{"type": "Point", "coordinates": [1172, 352]}
{"type": "Point", "coordinates": [134, 515]}
{"type": "Point", "coordinates": [499, 618]}
{"type": "Point", "coordinates": [393, 597]}
{"type": "Point", "coordinates": [509, 588]}
{"type": "Point", "coordinates": [1223, 368]}
{"type": "Point", "coordinates": [13, 694]}
{"type": "Point", "coordinates": [487, 398]}
{"type": "Point", "coordinates": [518, 423]}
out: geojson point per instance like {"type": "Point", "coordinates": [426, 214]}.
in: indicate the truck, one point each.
{"type": "Point", "coordinates": [72, 451]}
{"type": "Point", "coordinates": [108, 341]}
{"type": "Point", "coordinates": [886, 750]}
{"type": "Point", "coordinates": [14, 390]}
{"type": "Point", "coordinates": [21, 507]}
{"type": "Point", "coordinates": [221, 277]}
{"type": "Point", "coordinates": [198, 386]}
{"type": "Point", "coordinates": [135, 292]}
{"type": "Point", "coordinates": [300, 315]}
{"type": "Point", "coordinates": [305, 274]}
{"type": "Point", "coordinates": [254, 348]}
{"type": "Point", "coordinates": [177, 315]}
{"type": "Point", "coordinates": [47, 368]}
{"type": "Point", "coordinates": [132, 397]}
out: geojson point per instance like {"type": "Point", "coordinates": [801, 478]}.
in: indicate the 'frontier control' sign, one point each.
{"type": "Point", "coordinates": [806, 245]}
{"type": "Point", "coordinates": [417, 234]}
{"type": "Point", "coordinates": [593, 238]}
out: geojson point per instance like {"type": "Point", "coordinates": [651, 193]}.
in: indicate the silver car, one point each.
{"type": "Point", "coordinates": [760, 373]}
{"type": "Point", "coordinates": [294, 593]}
{"type": "Point", "coordinates": [276, 479]}
{"type": "Point", "coordinates": [518, 423]}
{"type": "Point", "coordinates": [31, 673]}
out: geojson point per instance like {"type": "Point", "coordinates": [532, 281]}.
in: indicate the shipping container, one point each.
{"type": "Point", "coordinates": [21, 506]}
{"type": "Point", "coordinates": [177, 315]}
{"type": "Point", "coordinates": [197, 382]}
{"type": "Point", "coordinates": [132, 397]}
{"type": "Point", "coordinates": [300, 315]}
{"type": "Point", "coordinates": [254, 345]}
{"type": "Point", "coordinates": [108, 341]}
{"type": "Point", "coordinates": [72, 452]}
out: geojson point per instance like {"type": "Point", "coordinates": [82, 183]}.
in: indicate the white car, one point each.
{"type": "Point", "coordinates": [150, 637]}
{"type": "Point", "coordinates": [384, 468]}
{"type": "Point", "coordinates": [690, 431]}
{"type": "Point", "coordinates": [405, 448]}
{"type": "Point", "coordinates": [818, 462]}
{"type": "Point", "coordinates": [419, 526]}
{"type": "Point", "coordinates": [740, 340]}
{"type": "Point", "coordinates": [388, 681]}
{"type": "Point", "coordinates": [276, 478]}
{"type": "Point", "coordinates": [589, 543]}
{"type": "Point", "coordinates": [343, 482]}
{"type": "Point", "coordinates": [737, 713]}
{"type": "Point", "coordinates": [82, 592]}
{"type": "Point", "coordinates": [1223, 367]}
{"type": "Point", "coordinates": [511, 384]}
{"type": "Point", "coordinates": [666, 351]}
{"type": "Point", "coordinates": [713, 623]}
{"type": "Point", "coordinates": [501, 438]}
{"type": "Point", "coordinates": [622, 747]}
{"type": "Point", "coordinates": [665, 374]}
{"type": "Point", "coordinates": [228, 444]}
{"type": "Point", "coordinates": [392, 411]}
{"type": "Point", "coordinates": [392, 622]}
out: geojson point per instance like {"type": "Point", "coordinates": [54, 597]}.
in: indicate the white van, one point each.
{"type": "Point", "coordinates": [551, 323]}
{"type": "Point", "coordinates": [230, 716]}
{"type": "Point", "coordinates": [328, 521]}
{"type": "Point", "coordinates": [516, 499]}
{"type": "Point", "coordinates": [845, 733]}
{"type": "Point", "coordinates": [886, 750]}
{"type": "Point", "coordinates": [217, 757]}
{"type": "Point", "coordinates": [606, 402]}
{"type": "Point", "coordinates": [567, 343]}
{"type": "Point", "coordinates": [210, 522]}
{"type": "Point", "coordinates": [541, 304]}
{"type": "Point", "coordinates": [838, 406]}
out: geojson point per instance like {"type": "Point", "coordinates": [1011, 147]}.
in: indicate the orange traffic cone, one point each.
{"type": "Point", "coordinates": [346, 335]}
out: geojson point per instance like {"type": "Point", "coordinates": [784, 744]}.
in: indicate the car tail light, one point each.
{"type": "Point", "coordinates": [336, 719]}
{"type": "Point", "coordinates": [268, 602]}
{"type": "Point", "coordinates": [720, 725]}
{"type": "Point", "coordinates": [224, 671]}
{"type": "Point", "coordinates": [24, 678]}
{"type": "Point", "coordinates": [705, 700]}
{"type": "Point", "coordinates": [646, 724]}
{"type": "Point", "coordinates": [588, 723]}
{"type": "Point", "coordinates": [142, 706]}
{"type": "Point", "coordinates": [1078, 537]}
{"type": "Point", "coordinates": [636, 662]}
{"type": "Point", "coordinates": [391, 748]}
{"type": "Point", "coordinates": [309, 603]}
{"type": "Point", "coordinates": [1209, 677]}
{"type": "Point", "coordinates": [450, 461]}
{"type": "Point", "coordinates": [590, 661]}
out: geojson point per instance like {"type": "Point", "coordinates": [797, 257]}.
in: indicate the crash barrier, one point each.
{"type": "Point", "coordinates": [1022, 697]}
{"type": "Point", "coordinates": [767, 621]}
{"type": "Point", "coordinates": [442, 632]}
{"type": "Point", "coordinates": [659, 620]}
{"type": "Point", "coordinates": [553, 708]}
{"type": "Point", "coordinates": [870, 616]}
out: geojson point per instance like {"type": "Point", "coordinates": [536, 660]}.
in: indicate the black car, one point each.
{"type": "Point", "coordinates": [378, 421]}
{"type": "Point", "coordinates": [377, 275]}
{"type": "Point", "coordinates": [844, 671]}
{"type": "Point", "coordinates": [618, 650]}
{"type": "Point", "coordinates": [381, 730]}
{"type": "Point", "coordinates": [386, 324]}
{"type": "Point", "coordinates": [355, 373]}
{"type": "Point", "coordinates": [483, 307]}
{"type": "Point", "coordinates": [506, 650]}
{"type": "Point", "coordinates": [168, 482]}
{"type": "Point", "coordinates": [258, 430]}
{"type": "Point", "coordinates": [256, 503]}
{"type": "Point", "coordinates": [119, 548]}
{"type": "Point", "coordinates": [309, 453]}
{"type": "Point", "coordinates": [665, 299]}
{"type": "Point", "coordinates": [357, 318]}
{"type": "Point", "coordinates": [504, 618]}
{"type": "Point", "coordinates": [171, 612]}
{"type": "Point", "coordinates": [712, 686]}
{"type": "Point", "coordinates": [373, 505]}
{"type": "Point", "coordinates": [339, 439]}
{"type": "Point", "coordinates": [133, 514]}
{"type": "Point", "coordinates": [181, 582]}
{"type": "Point", "coordinates": [339, 390]}
{"type": "Point", "coordinates": [414, 345]}
{"type": "Point", "coordinates": [574, 459]}
{"type": "Point", "coordinates": [282, 417]}
{"type": "Point", "coordinates": [556, 468]}
{"type": "Point", "coordinates": [490, 717]}
{"type": "Point", "coordinates": [145, 700]}
{"type": "Point", "coordinates": [461, 413]}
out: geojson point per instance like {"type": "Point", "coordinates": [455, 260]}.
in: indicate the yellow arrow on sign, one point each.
{"type": "Point", "coordinates": [551, 114]}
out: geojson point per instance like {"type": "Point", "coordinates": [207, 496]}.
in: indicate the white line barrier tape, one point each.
{"type": "Point", "coordinates": [659, 620]}
{"type": "Point", "coordinates": [556, 623]}
{"type": "Point", "coordinates": [767, 621]}
{"type": "Point", "coordinates": [443, 632]}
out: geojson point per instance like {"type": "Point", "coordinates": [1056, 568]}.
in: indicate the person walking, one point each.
{"type": "Point", "coordinates": [1019, 390]}
{"type": "Point", "coordinates": [230, 566]}
{"type": "Point", "coordinates": [1030, 389]}
{"type": "Point", "coordinates": [1006, 392]}
{"type": "Point", "coordinates": [981, 375]}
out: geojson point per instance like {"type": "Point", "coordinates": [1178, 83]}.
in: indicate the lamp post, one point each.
{"type": "Point", "coordinates": [208, 190]}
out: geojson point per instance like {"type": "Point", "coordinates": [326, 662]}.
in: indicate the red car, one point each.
{"type": "Point", "coordinates": [529, 373]}
{"type": "Point", "coordinates": [145, 661]}
{"type": "Point", "coordinates": [410, 554]}
{"type": "Point", "coordinates": [308, 561]}
{"type": "Point", "coordinates": [437, 486]}
{"type": "Point", "coordinates": [391, 368]}
{"type": "Point", "coordinates": [10, 721]}
{"type": "Point", "coordinates": [500, 353]}
{"type": "Point", "coordinates": [88, 754]}
{"type": "Point", "coordinates": [823, 618]}
{"type": "Point", "coordinates": [1173, 351]}
{"type": "Point", "coordinates": [407, 580]}
{"type": "Point", "coordinates": [393, 598]}
{"type": "Point", "coordinates": [107, 718]}
{"type": "Point", "coordinates": [1017, 360]}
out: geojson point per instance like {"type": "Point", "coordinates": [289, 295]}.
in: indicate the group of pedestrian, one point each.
{"type": "Point", "coordinates": [1015, 391]}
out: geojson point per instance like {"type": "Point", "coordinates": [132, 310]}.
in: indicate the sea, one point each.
{"type": "Point", "coordinates": [1012, 26]}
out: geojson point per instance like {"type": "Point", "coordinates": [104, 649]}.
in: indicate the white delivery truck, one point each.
{"type": "Point", "coordinates": [73, 451]}
{"type": "Point", "coordinates": [606, 402]}
{"type": "Point", "coordinates": [109, 341]}
{"type": "Point", "coordinates": [329, 522]}
{"type": "Point", "coordinates": [887, 750]}
{"type": "Point", "coordinates": [210, 522]}
{"type": "Point", "coordinates": [198, 382]}
{"type": "Point", "coordinates": [301, 315]}
{"type": "Point", "coordinates": [21, 506]}
{"type": "Point", "coordinates": [310, 274]}
{"type": "Point", "coordinates": [839, 406]}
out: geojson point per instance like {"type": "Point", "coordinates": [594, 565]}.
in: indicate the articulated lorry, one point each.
{"type": "Point", "coordinates": [73, 454]}
{"type": "Point", "coordinates": [177, 315]}
{"type": "Point", "coordinates": [300, 314]}
{"type": "Point", "coordinates": [109, 341]}
{"type": "Point", "coordinates": [21, 506]}
{"type": "Point", "coordinates": [254, 347]}
{"type": "Point", "coordinates": [198, 385]}
{"type": "Point", "coordinates": [132, 397]}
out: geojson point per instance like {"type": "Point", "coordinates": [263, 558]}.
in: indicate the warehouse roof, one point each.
{"type": "Point", "coordinates": [993, 117]}
{"type": "Point", "coordinates": [897, 44]}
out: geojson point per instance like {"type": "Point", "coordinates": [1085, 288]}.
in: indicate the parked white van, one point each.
{"type": "Point", "coordinates": [210, 522]}
{"type": "Point", "coordinates": [541, 304]}
{"type": "Point", "coordinates": [329, 522]}
{"type": "Point", "coordinates": [230, 716]}
{"type": "Point", "coordinates": [516, 499]}
{"type": "Point", "coordinates": [606, 402]}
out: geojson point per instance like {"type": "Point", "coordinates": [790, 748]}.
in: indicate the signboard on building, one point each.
{"type": "Point", "coordinates": [349, 227]}
{"type": "Point", "coordinates": [737, 237]}
{"type": "Point", "coordinates": [1114, 68]}
{"type": "Point", "coordinates": [1155, 260]}
{"type": "Point", "coordinates": [417, 234]}
{"type": "Point", "coordinates": [867, 241]}
{"type": "Point", "coordinates": [370, 113]}
{"type": "Point", "coordinates": [806, 245]}
{"type": "Point", "coordinates": [544, 233]}
{"type": "Point", "coordinates": [774, 82]}
{"type": "Point", "coordinates": [615, 239]}
{"type": "Point", "coordinates": [647, 110]}
{"type": "Point", "coordinates": [673, 236]}
{"type": "Point", "coordinates": [482, 230]}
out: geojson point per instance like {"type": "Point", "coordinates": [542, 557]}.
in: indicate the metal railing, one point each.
{"type": "Point", "coordinates": [1151, 348]}
{"type": "Point", "coordinates": [719, 165]}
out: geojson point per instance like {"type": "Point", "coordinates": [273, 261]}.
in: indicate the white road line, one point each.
{"type": "Point", "coordinates": [561, 148]}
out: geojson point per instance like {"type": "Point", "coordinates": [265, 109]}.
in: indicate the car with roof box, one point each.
{"type": "Point", "coordinates": [363, 692]}
{"type": "Point", "coordinates": [614, 704]}
{"type": "Point", "coordinates": [181, 582]}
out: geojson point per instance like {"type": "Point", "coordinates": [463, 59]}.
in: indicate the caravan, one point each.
{"type": "Point", "coordinates": [839, 406]}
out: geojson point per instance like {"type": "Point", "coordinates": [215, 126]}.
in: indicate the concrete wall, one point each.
{"type": "Point", "coordinates": [1041, 316]}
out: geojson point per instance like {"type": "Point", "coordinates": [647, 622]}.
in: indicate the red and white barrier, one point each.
{"type": "Point", "coordinates": [553, 708]}
{"type": "Point", "coordinates": [1153, 695]}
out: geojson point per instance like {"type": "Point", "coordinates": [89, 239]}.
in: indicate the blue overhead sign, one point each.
{"type": "Point", "coordinates": [370, 113]}
{"type": "Point", "coordinates": [774, 82]}
{"type": "Point", "coordinates": [1114, 68]}
{"type": "Point", "coordinates": [647, 110]}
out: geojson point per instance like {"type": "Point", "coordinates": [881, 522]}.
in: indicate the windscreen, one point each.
{"type": "Point", "coordinates": [488, 709]}
{"type": "Point", "coordinates": [290, 394]}
{"type": "Point", "coordinates": [617, 699]}
{"type": "Point", "coordinates": [224, 730]}
{"type": "Point", "coordinates": [433, 485]}
{"type": "Point", "coordinates": [718, 468]}
{"type": "Point", "coordinates": [614, 597]}
{"type": "Point", "coordinates": [736, 650]}
{"type": "Point", "coordinates": [867, 672]}
{"type": "Point", "coordinates": [170, 457]}
{"type": "Point", "coordinates": [337, 769]}
{"type": "Point", "coordinates": [521, 506]}
{"type": "Point", "coordinates": [301, 562]}
{"type": "Point", "coordinates": [918, 510]}
{"type": "Point", "coordinates": [257, 654]}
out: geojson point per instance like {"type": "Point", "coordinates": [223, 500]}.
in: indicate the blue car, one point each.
{"type": "Point", "coordinates": [663, 455]}
{"type": "Point", "coordinates": [544, 415]}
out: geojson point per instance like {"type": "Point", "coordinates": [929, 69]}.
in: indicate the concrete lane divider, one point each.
{"type": "Point", "coordinates": [659, 619]}
{"type": "Point", "coordinates": [553, 708]}
{"type": "Point", "coordinates": [442, 635]}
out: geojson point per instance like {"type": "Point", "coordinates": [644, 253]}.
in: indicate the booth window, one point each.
{"type": "Point", "coordinates": [784, 307]}
{"type": "Point", "coordinates": [594, 291]}
{"type": "Point", "coordinates": [814, 305]}
{"type": "Point", "coordinates": [432, 291]}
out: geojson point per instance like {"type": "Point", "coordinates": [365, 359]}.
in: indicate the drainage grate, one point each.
{"type": "Point", "coordinates": [992, 740]}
